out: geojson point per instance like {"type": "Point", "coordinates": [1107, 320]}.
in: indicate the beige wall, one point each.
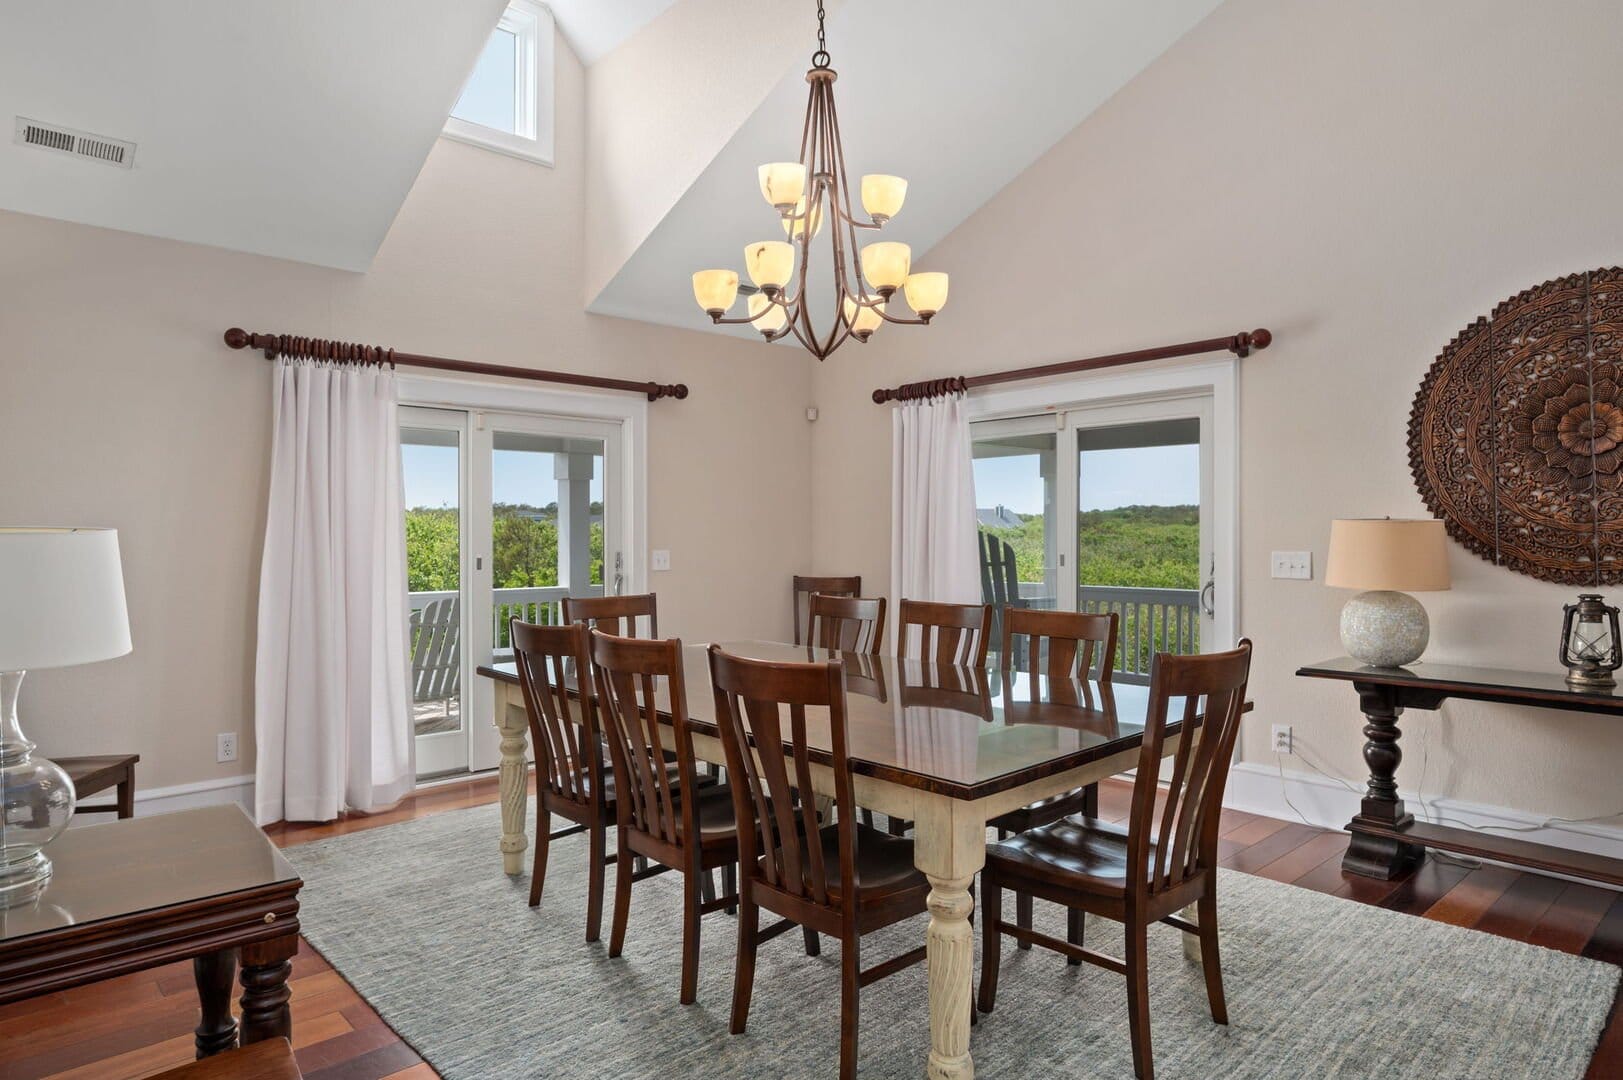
{"type": "Point", "coordinates": [1364, 179]}
{"type": "Point", "coordinates": [120, 406]}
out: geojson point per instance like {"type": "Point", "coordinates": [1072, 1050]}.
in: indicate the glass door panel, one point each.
{"type": "Point", "coordinates": [1143, 535]}
{"type": "Point", "coordinates": [432, 473]}
{"type": "Point", "coordinates": [546, 526]}
{"type": "Point", "coordinates": [1016, 488]}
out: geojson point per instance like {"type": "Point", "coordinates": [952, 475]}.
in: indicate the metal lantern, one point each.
{"type": "Point", "coordinates": [1591, 646]}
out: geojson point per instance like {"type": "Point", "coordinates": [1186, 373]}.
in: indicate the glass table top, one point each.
{"type": "Point", "coordinates": [119, 868]}
{"type": "Point", "coordinates": [955, 730]}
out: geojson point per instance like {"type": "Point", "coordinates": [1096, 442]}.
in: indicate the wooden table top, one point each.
{"type": "Point", "coordinates": [1546, 689]}
{"type": "Point", "coordinates": [951, 730]}
{"type": "Point", "coordinates": [97, 771]}
{"type": "Point", "coordinates": [119, 869]}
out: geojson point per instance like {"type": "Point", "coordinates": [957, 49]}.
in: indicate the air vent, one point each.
{"type": "Point", "coordinates": [82, 144]}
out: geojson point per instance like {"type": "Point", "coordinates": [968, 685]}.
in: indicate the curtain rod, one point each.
{"type": "Point", "coordinates": [1239, 344]}
{"type": "Point", "coordinates": [309, 348]}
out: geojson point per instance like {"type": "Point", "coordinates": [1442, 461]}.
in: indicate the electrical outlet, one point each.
{"type": "Point", "coordinates": [225, 747]}
{"type": "Point", "coordinates": [659, 559]}
{"type": "Point", "coordinates": [1282, 739]}
{"type": "Point", "coordinates": [1294, 565]}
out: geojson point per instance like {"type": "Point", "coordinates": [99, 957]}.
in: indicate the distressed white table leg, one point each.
{"type": "Point", "coordinates": [513, 723]}
{"type": "Point", "coordinates": [950, 849]}
{"type": "Point", "coordinates": [1191, 944]}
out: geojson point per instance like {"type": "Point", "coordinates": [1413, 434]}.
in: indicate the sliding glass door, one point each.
{"type": "Point", "coordinates": [434, 471]}
{"type": "Point", "coordinates": [507, 514]}
{"type": "Point", "coordinates": [1103, 508]}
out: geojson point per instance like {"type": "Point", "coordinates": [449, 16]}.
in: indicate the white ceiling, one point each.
{"type": "Point", "coordinates": [292, 128]}
{"type": "Point", "coordinates": [594, 28]}
{"type": "Point", "coordinates": [954, 95]}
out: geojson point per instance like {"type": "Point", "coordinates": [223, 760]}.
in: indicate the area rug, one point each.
{"type": "Point", "coordinates": [421, 920]}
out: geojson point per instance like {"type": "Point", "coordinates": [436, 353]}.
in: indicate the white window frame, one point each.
{"type": "Point", "coordinates": [531, 25]}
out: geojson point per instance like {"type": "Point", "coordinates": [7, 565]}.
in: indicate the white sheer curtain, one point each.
{"type": "Point", "coordinates": [933, 545]}
{"type": "Point", "coordinates": [332, 703]}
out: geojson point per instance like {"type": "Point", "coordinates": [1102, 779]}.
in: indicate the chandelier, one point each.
{"type": "Point", "coordinates": [807, 194]}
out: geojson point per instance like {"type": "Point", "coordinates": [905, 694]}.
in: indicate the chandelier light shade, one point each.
{"type": "Point", "coordinates": [804, 193]}
{"type": "Point", "coordinates": [926, 292]}
{"type": "Point", "coordinates": [715, 290]}
{"type": "Point", "coordinates": [882, 196]}
{"type": "Point", "coordinates": [770, 264]}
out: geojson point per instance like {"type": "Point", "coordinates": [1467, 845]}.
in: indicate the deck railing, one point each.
{"type": "Point", "coordinates": [536, 605]}
{"type": "Point", "coordinates": [1152, 621]}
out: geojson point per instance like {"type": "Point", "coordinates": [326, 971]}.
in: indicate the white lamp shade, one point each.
{"type": "Point", "coordinates": [61, 598]}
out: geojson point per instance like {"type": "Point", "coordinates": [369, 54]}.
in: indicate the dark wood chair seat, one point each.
{"type": "Point", "coordinates": [1083, 802]}
{"type": "Point", "coordinates": [716, 820]}
{"type": "Point", "coordinates": [883, 870]}
{"type": "Point", "coordinates": [1091, 853]}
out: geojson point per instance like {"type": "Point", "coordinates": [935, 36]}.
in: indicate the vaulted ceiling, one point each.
{"type": "Point", "coordinates": [240, 108]}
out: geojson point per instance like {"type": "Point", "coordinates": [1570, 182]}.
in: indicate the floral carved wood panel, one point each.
{"type": "Point", "coordinates": [1516, 436]}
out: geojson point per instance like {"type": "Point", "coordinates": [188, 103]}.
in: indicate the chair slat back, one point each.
{"type": "Point", "coordinates": [563, 729]}
{"type": "Point", "coordinates": [947, 633]}
{"type": "Point", "coordinates": [805, 585]}
{"type": "Point", "coordinates": [628, 671]}
{"type": "Point", "coordinates": [846, 623]}
{"type": "Point", "coordinates": [772, 787]}
{"type": "Point", "coordinates": [1206, 693]}
{"type": "Point", "coordinates": [605, 613]}
{"type": "Point", "coordinates": [436, 659]}
{"type": "Point", "coordinates": [1062, 645]}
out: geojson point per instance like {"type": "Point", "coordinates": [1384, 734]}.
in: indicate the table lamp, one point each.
{"type": "Point", "coordinates": [61, 603]}
{"type": "Point", "coordinates": [1389, 558]}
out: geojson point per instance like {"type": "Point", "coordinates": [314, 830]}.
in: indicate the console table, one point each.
{"type": "Point", "coordinates": [1386, 840]}
{"type": "Point", "coordinates": [204, 885]}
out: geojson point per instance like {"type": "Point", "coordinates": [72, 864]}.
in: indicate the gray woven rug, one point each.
{"type": "Point", "coordinates": [420, 918]}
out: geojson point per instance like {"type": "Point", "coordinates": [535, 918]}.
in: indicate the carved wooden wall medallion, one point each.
{"type": "Point", "coordinates": [1516, 436]}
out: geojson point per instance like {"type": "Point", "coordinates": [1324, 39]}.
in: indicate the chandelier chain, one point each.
{"type": "Point", "coordinates": [820, 58]}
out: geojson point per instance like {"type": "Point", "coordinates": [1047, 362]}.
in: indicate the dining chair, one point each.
{"type": "Point", "coordinates": [846, 623]}
{"type": "Point", "coordinates": [1163, 861]}
{"type": "Point", "coordinates": [805, 585]}
{"type": "Point", "coordinates": [843, 879]}
{"type": "Point", "coordinates": [1072, 648]}
{"type": "Point", "coordinates": [606, 612]}
{"type": "Point", "coordinates": [958, 634]}
{"type": "Point", "coordinates": [571, 780]}
{"type": "Point", "coordinates": [667, 818]}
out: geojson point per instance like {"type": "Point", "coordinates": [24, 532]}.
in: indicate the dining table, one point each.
{"type": "Point", "coordinates": [946, 747]}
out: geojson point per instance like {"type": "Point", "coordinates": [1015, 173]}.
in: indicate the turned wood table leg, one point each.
{"type": "Point", "coordinates": [215, 974]}
{"type": "Point", "coordinates": [512, 722]}
{"type": "Point", "coordinates": [265, 968]}
{"type": "Point", "coordinates": [950, 849]}
{"type": "Point", "coordinates": [1191, 943]}
{"type": "Point", "coordinates": [1369, 854]}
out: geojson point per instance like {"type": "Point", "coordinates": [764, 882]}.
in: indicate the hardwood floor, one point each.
{"type": "Point", "coordinates": [140, 1024]}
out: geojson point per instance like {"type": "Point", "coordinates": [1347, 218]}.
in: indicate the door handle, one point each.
{"type": "Point", "coordinates": [1208, 592]}
{"type": "Point", "coordinates": [619, 575]}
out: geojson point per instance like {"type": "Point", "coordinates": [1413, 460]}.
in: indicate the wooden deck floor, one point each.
{"type": "Point", "coordinates": [140, 1024]}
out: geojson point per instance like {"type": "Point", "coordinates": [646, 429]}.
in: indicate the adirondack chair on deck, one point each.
{"type": "Point", "coordinates": [1000, 584]}
{"type": "Point", "coordinates": [436, 655]}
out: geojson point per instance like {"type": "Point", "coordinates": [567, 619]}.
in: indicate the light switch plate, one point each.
{"type": "Point", "coordinates": [659, 559]}
{"type": "Point", "coordinates": [1294, 565]}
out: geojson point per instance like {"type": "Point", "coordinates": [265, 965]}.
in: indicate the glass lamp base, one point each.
{"type": "Point", "coordinates": [36, 803]}
{"type": "Point", "coordinates": [23, 878]}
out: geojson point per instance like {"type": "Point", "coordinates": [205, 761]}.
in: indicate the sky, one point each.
{"type": "Point", "coordinates": [521, 476]}
{"type": "Point", "coordinates": [488, 97]}
{"type": "Point", "coordinates": [1144, 476]}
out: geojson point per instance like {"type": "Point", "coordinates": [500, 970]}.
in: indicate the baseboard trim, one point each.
{"type": "Point", "coordinates": [1256, 788]}
{"type": "Point", "coordinates": [150, 801]}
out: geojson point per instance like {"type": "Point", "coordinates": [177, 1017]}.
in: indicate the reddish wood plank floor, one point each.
{"type": "Point", "coordinates": [134, 1026]}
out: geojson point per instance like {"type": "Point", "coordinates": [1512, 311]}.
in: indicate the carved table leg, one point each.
{"type": "Point", "coordinates": [950, 849]}
{"type": "Point", "coordinates": [512, 722]}
{"type": "Point", "coordinates": [215, 973]}
{"type": "Point", "coordinates": [265, 969]}
{"type": "Point", "coordinates": [1375, 855]}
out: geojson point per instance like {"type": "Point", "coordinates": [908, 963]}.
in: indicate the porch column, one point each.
{"type": "Point", "coordinates": [1047, 466]}
{"type": "Point", "coordinates": [574, 475]}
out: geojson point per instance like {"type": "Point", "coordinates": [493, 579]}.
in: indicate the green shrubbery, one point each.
{"type": "Point", "coordinates": [1138, 546]}
{"type": "Point", "coordinates": [524, 552]}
